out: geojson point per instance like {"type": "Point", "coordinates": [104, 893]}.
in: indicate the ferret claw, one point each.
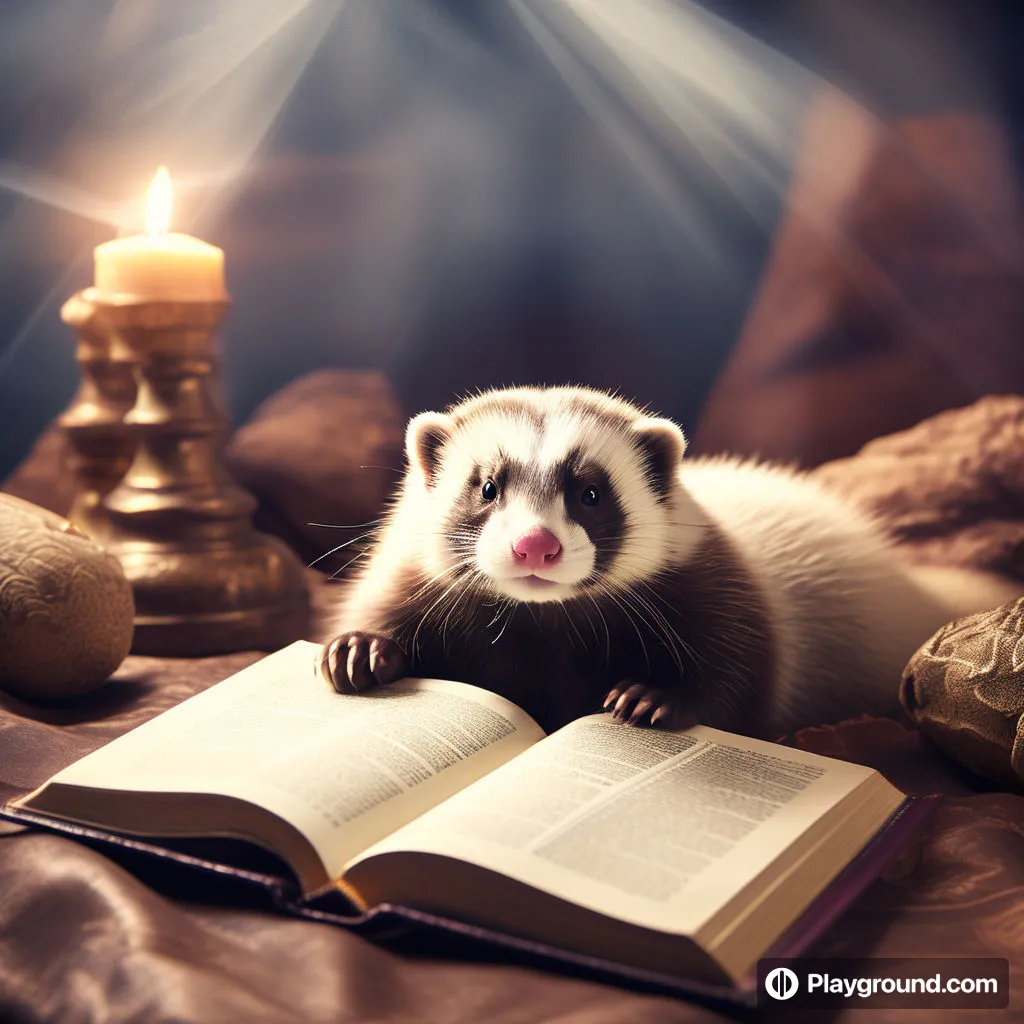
{"type": "Point", "coordinates": [613, 695]}
{"type": "Point", "coordinates": [637, 704]}
{"type": "Point", "coordinates": [354, 662]}
{"type": "Point", "coordinates": [358, 665]}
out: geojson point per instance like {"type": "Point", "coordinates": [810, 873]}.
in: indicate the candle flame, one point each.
{"type": "Point", "coordinates": [158, 208]}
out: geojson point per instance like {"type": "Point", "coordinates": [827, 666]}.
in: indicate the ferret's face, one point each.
{"type": "Point", "coordinates": [547, 499]}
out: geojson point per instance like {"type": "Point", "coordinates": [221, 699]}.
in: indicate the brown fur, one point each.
{"type": "Point", "coordinates": [557, 663]}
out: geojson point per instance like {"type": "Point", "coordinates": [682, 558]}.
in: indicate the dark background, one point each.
{"type": "Point", "coordinates": [453, 214]}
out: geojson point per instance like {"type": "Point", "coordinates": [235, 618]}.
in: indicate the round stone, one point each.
{"type": "Point", "coordinates": [66, 608]}
{"type": "Point", "coordinates": [965, 690]}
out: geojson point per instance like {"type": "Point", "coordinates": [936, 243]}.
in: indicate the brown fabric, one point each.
{"type": "Point", "coordinates": [81, 938]}
{"type": "Point", "coordinates": [41, 477]}
{"type": "Point", "coordinates": [85, 941]}
{"type": "Point", "coordinates": [893, 291]}
{"type": "Point", "coordinates": [951, 489]}
{"type": "Point", "coordinates": [325, 449]}
{"type": "Point", "coordinates": [965, 689]}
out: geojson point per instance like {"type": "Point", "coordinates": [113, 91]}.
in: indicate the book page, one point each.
{"type": "Point", "coordinates": [344, 770]}
{"type": "Point", "coordinates": [658, 828]}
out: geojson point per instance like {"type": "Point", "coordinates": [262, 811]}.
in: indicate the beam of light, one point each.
{"type": "Point", "coordinates": [130, 85]}
{"type": "Point", "coordinates": [695, 106]}
{"type": "Point", "coordinates": [711, 91]}
{"type": "Point", "coordinates": [215, 85]}
{"type": "Point", "coordinates": [632, 144]}
{"type": "Point", "coordinates": [51, 191]}
{"type": "Point", "coordinates": [56, 294]}
{"type": "Point", "coordinates": [195, 85]}
{"type": "Point", "coordinates": [725, 106]}
{"type": "Point", "coordinates": [452, 44]}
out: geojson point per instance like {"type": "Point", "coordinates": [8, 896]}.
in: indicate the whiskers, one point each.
{"type": "Point", "coordinates": [341, 547]}
{"type": "Point", "coordinates": [345, 526]}
{"type": "Point", "coordinates": [510, 608]}
{"type": "Point", "coordinates": [446, 595]}
{"type": "Point", "coordinates": [362, 541]}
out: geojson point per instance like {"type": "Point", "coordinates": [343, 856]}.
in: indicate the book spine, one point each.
{"type": "Point", "coordinates": [850, 883]}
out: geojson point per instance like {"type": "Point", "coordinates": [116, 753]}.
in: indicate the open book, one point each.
{"type": "Point", "coordinates": [685, 853]}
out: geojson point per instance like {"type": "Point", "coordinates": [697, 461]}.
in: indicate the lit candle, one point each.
{"type": "Point", "coordinates": [160, 265]}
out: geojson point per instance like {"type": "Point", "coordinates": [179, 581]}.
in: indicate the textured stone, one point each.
{"type": "Point", "coordinates": [66, 609]}
{"type": "Point", "coordinates": [965, 690]}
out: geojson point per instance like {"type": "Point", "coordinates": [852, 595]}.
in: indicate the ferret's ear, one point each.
{"type": "Point", "coordinates": [660, 444]}
{"type": "Point", "coordinates": [424, 438]}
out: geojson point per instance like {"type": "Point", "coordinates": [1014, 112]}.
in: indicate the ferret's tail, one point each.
{"type": "Point", "coordinates": [964, 592]}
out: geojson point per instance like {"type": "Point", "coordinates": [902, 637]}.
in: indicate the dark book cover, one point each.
{"type": "Point", "coordinates": [230, 870]}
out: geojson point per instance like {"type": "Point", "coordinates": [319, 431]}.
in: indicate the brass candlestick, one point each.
{"type": "Point", "coordinates": [205, 581]}
{"type": "Point", "coordinates": [100, 445]}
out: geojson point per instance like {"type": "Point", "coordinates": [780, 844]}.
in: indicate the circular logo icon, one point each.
{"type": "Point", "coordinates": [782, 983]}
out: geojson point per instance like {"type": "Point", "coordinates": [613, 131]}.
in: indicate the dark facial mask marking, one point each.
{"type": "Point", "coordinates": [568, 480]}
{"type": "Point", "coordinates": [605, 521]}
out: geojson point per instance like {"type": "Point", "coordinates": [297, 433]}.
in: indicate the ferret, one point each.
{"type": "Point", "coordinates": [553, 545]}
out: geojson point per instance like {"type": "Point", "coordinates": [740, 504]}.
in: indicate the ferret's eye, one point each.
{"type": "Point", "coordinates": [591, 496]}
{"type": "Point", "coordinates": [489, 491]}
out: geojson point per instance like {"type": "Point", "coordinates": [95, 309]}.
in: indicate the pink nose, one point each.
{"type": "Point", "coordinates": [537, 548]}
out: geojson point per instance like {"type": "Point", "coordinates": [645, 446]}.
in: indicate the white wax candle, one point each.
{"type": "Point", "coordinates": [159, 265]}
{"type": "Point", "coordinates": [164, 267]}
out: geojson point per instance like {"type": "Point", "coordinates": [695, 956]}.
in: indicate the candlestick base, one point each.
{"type": "Point", "coordinates": [249, 595]}
{"type": "Point", "coordinates": [205, 580]}
{"type": "Point", "coordinates": [99, 445]}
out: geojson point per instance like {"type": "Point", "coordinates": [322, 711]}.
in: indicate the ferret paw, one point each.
{"type": "Point", "coordinates": [637, 704]}
{"type": "Point", "coordinates": [356, 661]}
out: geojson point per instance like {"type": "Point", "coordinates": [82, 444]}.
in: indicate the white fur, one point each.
{"type": "Point", "coordinates": [845, 616]}
{"type": "Point", "coordinates": [495, 558]}
{"type": "Point", "coordinates": [653, 538]}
